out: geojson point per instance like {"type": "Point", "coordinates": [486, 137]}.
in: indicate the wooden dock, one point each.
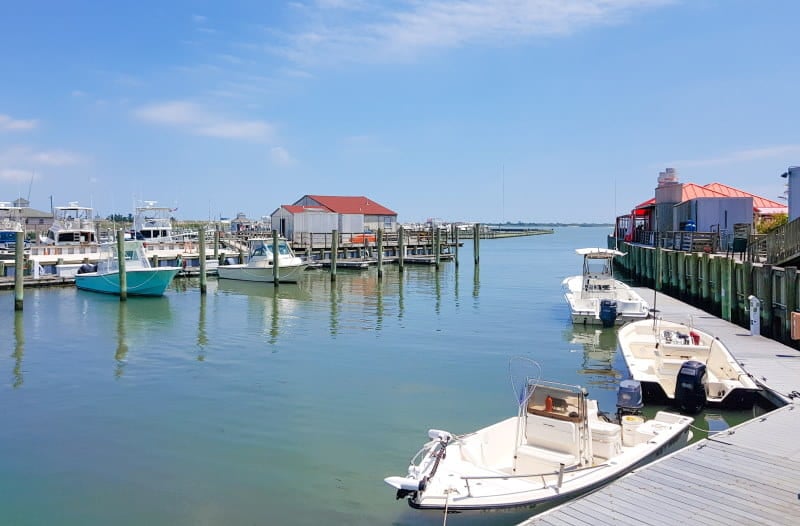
{"type": "Point", "coordinates": [748, 474]}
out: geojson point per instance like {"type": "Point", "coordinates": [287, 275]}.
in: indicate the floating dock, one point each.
{"type": "Point", "coordinates": [748, 474]}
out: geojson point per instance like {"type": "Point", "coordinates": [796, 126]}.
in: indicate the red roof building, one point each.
{"type": "Point", "coordinates": [319, 214]}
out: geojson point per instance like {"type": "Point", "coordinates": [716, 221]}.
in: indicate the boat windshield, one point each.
{"type": "Point", "coordinates": [264, 248]}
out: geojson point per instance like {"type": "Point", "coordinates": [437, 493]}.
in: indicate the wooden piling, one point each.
{"type": "Point", "coordinates": [123, 277]}
{"type": "Point", "coordinates": [401, 249]}
{"type": "Point", "coordinates": [476, 243]}
{"type": "Point", "coordinates": [19, 270]}
{"type": "Point", "coordinates": [334, 251]}
{"type": "Point", "coordinates": [276, 260]}
{"type": "Point", "coordinates": [455, 244]}
{"type": "Point", "coordinates": [380, 253]}
{"type": "Point", "coordinates": [216, 245]}
{"type": "Point", "coordinates": [201, 238]}
{"type": "Point", "coordinates": [725, 286]}
{"type": "Point", "coordinates": [437, 248]}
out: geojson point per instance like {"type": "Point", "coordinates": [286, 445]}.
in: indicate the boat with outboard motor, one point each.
{"type": "Point", "coordinates": [557, 447]}
{"type": "Point", "coordinates": [683, 365]}
{"type": "Point", "coordinates": [260, 264]}
{"type": "Point", "coordinates": [595, 297]}
{"type": "Point", "coordinates": [141, 278]}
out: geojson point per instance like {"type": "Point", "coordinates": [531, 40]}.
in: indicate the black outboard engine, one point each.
{"type": "Point", "coordinates": [629, 399]}
{"type": "Point", "coordinates": [690, 387]}
{"type": "Point", "coordinates": [608, 312]}
{"type": "Point", "coordinates": [86, 268]}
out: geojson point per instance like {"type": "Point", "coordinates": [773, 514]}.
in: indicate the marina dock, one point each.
{"type": "Point", "coordinates": [749, 473]}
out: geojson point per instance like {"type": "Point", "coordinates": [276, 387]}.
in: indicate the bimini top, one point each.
{"type": "Point", "coordinates": [599, 252]}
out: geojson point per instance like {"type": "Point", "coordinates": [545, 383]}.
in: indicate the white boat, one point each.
{"type": "Point", "coordinates": [595, 297]}
{"type": "Point", "coordinates": [141, 278]}
{"type": "Point", "coordinates": [152, 222]}
{"type": "Point", "coordinates": [72, 225]}
{"type": "Point", "coordinates": [680, 364]}
{"type": "Point", "coordinates": [259, 266]}
{"type": "Point", "coordinates": [10, 224]}
{"type": "Point", "coordinates": [559, 446]}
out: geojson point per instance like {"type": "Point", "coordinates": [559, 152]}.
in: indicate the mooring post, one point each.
{"type": "Point", "coordinates": [216, 244]}
{"type": "Point", "coordinates": [455, 244]}
{"type": "Point", "coordinates": [201, 237]}
{"type": "Point", "coordinates": [380, 253]}
{"type": "Point", "coordinates": [476, 242]}
{"type": "Point", "coordinates": [334, 251]}
{"type": "Point", "coordinates": [123, 277]}
{"type": "Point", "coordinates": [19, 270]}
{"type": "Point", "coordinates": [276, 259]}
{"type": "Point", "coordinates": [437, 247]}
{"type": "Point", "coordinates": [401, 249]}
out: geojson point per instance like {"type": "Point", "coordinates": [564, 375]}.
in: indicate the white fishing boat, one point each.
{"type": "Point", "coordinates": [10, 225]}
{"type": "Point", "coordinates": [260, 264]}
{"type": "Point", "coordinates": [595, 297]}
{"type": "Point", "coordinates": [683, 365]}
{"type": "Point", "coordinates": [557, 447]}
{"type": "Point", "coordinates": [141, 278]}
{"type": "Point", "coordinates": [72, 225]}
{"type": "Point", "coordinates": [152, 222]}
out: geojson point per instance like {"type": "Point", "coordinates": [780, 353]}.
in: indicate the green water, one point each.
{"type": "Point", "coordinates": [251, 406]}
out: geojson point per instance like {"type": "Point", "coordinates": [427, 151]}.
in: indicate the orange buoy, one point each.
{"type": "Point", "coordinates": [548, 404]}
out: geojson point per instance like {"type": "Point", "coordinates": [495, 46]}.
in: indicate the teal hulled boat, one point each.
{"type": "Point", "coordinates": [142, 279]}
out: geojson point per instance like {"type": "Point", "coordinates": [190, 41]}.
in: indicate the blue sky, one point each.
{"type": "Point", "coordinates": [492, 110]}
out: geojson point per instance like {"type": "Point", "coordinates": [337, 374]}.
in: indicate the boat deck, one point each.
{"type": "Point", "coordinates": [746, 474]}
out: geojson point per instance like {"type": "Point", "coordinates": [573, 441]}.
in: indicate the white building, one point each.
{"type": "Point", "coordinates": [320, 214]}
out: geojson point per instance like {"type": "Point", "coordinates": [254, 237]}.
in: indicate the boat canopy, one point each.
{"type": "Point", "coordinates": [599, 252]}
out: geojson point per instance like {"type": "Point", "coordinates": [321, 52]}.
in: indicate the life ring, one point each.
{"type": "Point", "coordinates": [68, 225]}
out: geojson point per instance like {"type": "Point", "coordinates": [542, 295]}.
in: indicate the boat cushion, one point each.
{"type": "Point", "coordinates": [532, 459]}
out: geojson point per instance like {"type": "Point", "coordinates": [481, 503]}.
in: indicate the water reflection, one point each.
{"type": "Point", "coordinates": [121, 354]}
{"type": "Point", "coordinates": [202, 337]}
{"type": "Point", "coordinates": [271, 304]}
{"type": "Point", "coordinates": [599, 348]}
{"type": "Point", "coordinates": [476, 282]}
{"type": "Point", "coordinates": [19, 348]}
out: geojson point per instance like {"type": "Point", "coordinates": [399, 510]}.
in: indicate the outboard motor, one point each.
{"type": "Point", "coordinates": [629, 399]}
{"type": "Point", "coordinates": [608, 312]}
{"type": "Point", "coordinates": [86, 268]}
{"type": "Point", "coordinates": [690, 387]}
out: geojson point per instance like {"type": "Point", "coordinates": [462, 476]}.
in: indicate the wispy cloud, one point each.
{"type": "Point", "coordinates": [7, 123]}
{"type": "Point", "coordinates": [754, 154]}
{"type": "Point", "coordinates": [383, 33]}
{"type": "Point", "coordinates": [30, 157]}
{"type": "Point", "coordinates": [280, 156]}
{"type": "Point", "coordinates": [12, 175]}
{"type": "Point", "coordinates": [192, 118]}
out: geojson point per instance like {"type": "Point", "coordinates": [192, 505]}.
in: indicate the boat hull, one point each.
{"type": "Point", "coordinates": [140, 282]}
{"type": "Point", "coordinates": [655, 352]}
{"type": "Point", "coordinates": [736, 399]}
{"type": "Point", "coordinates": [585, 306]}
{"type": "Point", "coordinates": [289, 274]}
{"type": "Point", "coordinates": [447, 489]}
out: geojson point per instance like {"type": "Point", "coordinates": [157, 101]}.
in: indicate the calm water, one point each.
{"type": "Point", "coordinates": [250, 406]}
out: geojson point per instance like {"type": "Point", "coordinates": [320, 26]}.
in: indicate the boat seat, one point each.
{"type": "Point", "coordinates": [532, 459]}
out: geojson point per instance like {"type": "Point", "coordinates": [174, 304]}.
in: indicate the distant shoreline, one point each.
{"type": "Point", "coordinates": [521, 225]}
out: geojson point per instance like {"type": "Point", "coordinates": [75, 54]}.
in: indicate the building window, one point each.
{"type": "Point", "coordinates": [387, 222]}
